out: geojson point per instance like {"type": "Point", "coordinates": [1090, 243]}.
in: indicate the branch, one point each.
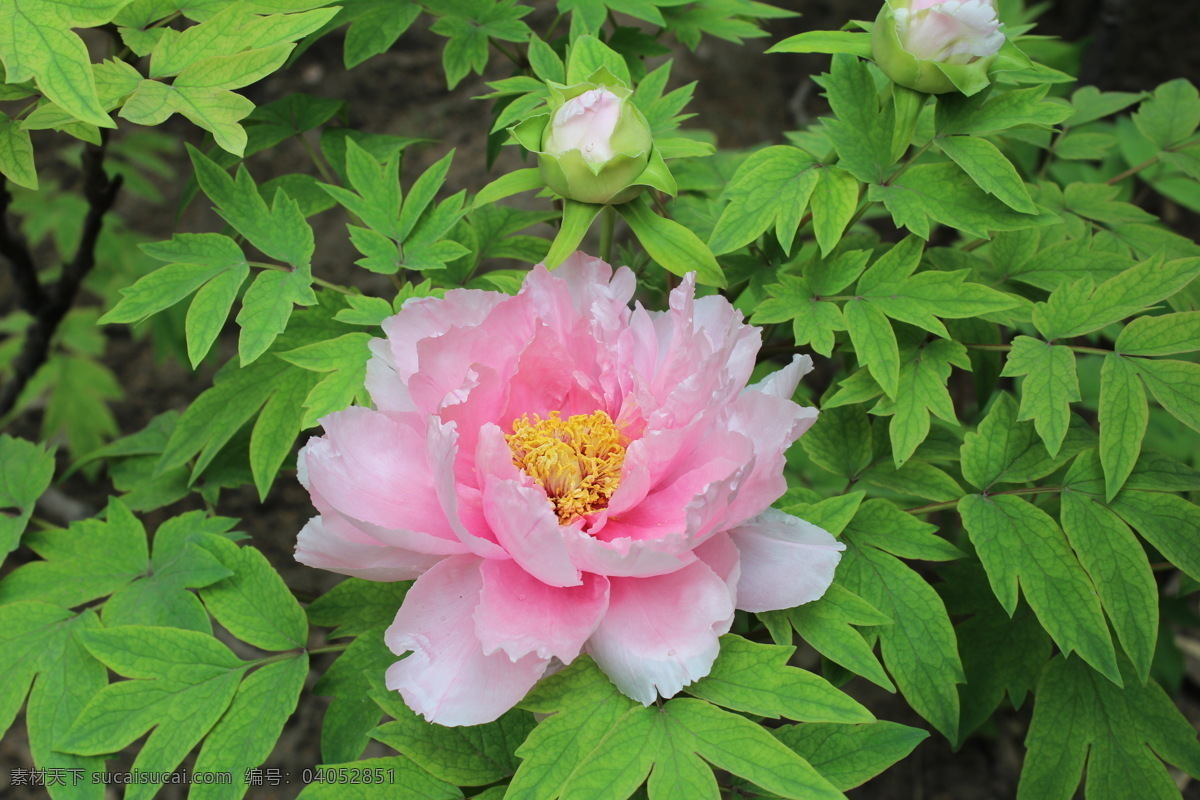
{"type": "Point", "coordinates": [100, 192]}
{"type": "Point", "coordinates": [13, 248]}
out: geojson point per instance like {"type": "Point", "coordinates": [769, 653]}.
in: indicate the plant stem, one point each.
{"type": "Point", "coordinates": [1149, 162]}
{"type": "Point", "coordinates": [929, 509]}
{"type": "Point", "coordinates": [1078, 348]}
{"type": "Point", "coordinates": [608, 222]}
{"type": "Point", "coordinates": [333, 287]}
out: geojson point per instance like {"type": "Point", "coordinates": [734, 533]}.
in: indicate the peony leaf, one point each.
{"type": "Point", "coordinates": [352, 714]}
{"type": "Point", "coordinates": [874, 343]}
{"type": "Point", "coordinates": [922, 389]}
{"type": "Point", "coordinates": [253, 603]}
{"type": "Point", "coordinates": [1123, 418]}
{"type": "Point", "coordinates": [209, 310]}
{"type": "Point", "coordinates": [16, 154]}
{"type": "Point", "coordinates": [672, 245]}
{"type": "Point", "coordinates": [267, 306]}
{"type": "Point", "coordinates": [860, 130]}
{"type": "Point", "coordinates": [755, 678]}
{"type": "Point", "coordinates": [834, 200]}
{"type": "Point", "coordinates": [1019, 544]}
{"type": "Point", "coordinates": [375, 25]}
{"type": "Point", "coordinates": [1175, 385]}
{"type": "Point", "coordinates": [69, 679]}
{"type": "Point", "coordinates": [91, 559]}
{"type": "Point", "coordinates": [1003, 450]}
{"type": "Point", "coordinates": [772, 186]}
{"type": "Point", "coordinates": [829, 625]}
{"type": "Point", "coordinates": [1119, 734]}
{"type": "Point", "coordinates": [1171, 115]}
{"type": "Point", "coordinates": [577, 219]}
{"type": "Point", "coordinates": [26, 470]}
{"type": "Point", "coordinates": [1120, 571]}
{"type": "Point", "coordinates": [30, 632]}
{"type": "Point", "coordinates": [990, 170]}
{"type": "Point", "coordinates": [181, 683]}
{"type": "Point", "coordinates": [469, 756]}
{"type": "Point", "coordinates": [851, 42]}
{"type": "Point", "coordinates": [1050, 386]}
{"type": "Point", "coordinates": [1162, 335]}
{"type": "Point", "coordinates": [850, 755]}
{"type": "Point", "coordinates": [344, 360]}
{"type": "Point", "coordinates": [840, 441]}
{"type": "Point", "coordinates": [248, 730]}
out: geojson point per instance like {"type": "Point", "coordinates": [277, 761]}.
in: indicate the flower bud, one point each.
{"type": "Point", "coordinates": [593, 145]}
{"type": "Point", "coordinates": [937, 46]}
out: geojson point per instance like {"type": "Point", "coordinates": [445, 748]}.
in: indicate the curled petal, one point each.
{"type": "Point", "coordinates": [519, 614]}
{"type": "Point", "coordinates": [332, 543]}
{"type": "Point", "coordinates": [661, 633]}
{"type": "Point", "coordinates": [447, 678]}
{"type": "Point", "coordinates": [785, 561]}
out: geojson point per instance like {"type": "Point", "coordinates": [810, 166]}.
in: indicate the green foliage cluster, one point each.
{"type": "Point", "coordinates": [1009, 395]}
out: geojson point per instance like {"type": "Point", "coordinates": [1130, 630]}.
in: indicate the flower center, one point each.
{"type": "Point", "coordinates": [578, 460]}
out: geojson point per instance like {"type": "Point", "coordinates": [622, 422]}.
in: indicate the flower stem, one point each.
{"type": "Point", "coordinates": [608, 221]}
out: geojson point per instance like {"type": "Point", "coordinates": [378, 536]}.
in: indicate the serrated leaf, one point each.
{"type": "Point", "coordinates": [344, 360]}
{"type": "Point", "coordinates": [860, 131]}
{"type": "Point", "coordinates": [1003, 450]}
{"type": "Point", "coordinates": [253, 603]}
{"type": "Point", "coordinates": [772, 186]}
{"type": "Point", "coordinates": [218, 111]}
{"type": "Point", "coordinates": [881, 524]}
{"type": "Point", "coordinates": [468, 25]}
{"type": "Point", "coordinates": [182, 681]}
{"type": "Point", "coordinates": [91, 559]}
{"type": "Point", "coordinates": [1019, 543]}
{"type": "Point", "coordinates": [921, 390]}
{"type": "Point", "coordinates": [840, 441]}
{"type": "Point", "coordinates": [1050, 386]}
{"type": "Point", "coordinates": [828, 625]}
{"type": "Point", "coordinates": [1118, 733]}
{"type": "Point", "coordinates": [26, 470]}
{"type": "Point", "coordinates": [375, 26]}
{"type": "Point", "coordinates": [30, 632]}
{"type": "Point", "coordinates": [470, 756]}
{"type": "Point", "coordinates": [755, 678]}
{"type": "Point", "coordinates": [1170, 115]}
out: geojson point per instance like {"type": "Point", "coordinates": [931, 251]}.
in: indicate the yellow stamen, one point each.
{"type": "Point", "coordinates": [577, 460]}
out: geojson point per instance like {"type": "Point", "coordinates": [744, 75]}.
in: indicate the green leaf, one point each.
{"type": "Point", "coordinates": [1090, 104]}
{"type": "Point", "coordinates": [1175, 385]}
{"type": "Point", "coordinates": [69, 678]}
{"type": "Point", "coordinates": [37, 41]}
{"type": "Point", "coordinates": [375, 25]}
{"type": "Point", "coordinates": [834, 200]}
{"type": "Point", "coordinates": [247, 731]}
{"type": "Point", "coordinates": [813, 321]}
{"type": "Point", "coordinates": [850, 42]}
{"type": "Point", "coordinates": [1006, 451]}
{"type": "Point", "coordinates": [1019, 543]}
{"type": "Point", "coordinates": [828, 625]}
{"type": "Point", "coordinates": [26, 470]}
{"type": "Point", "coordinates": [193, 259]}
{"type": "Point", "coordinates": [1171, 115]}
{"type": "Point", "coordinates": [357, 606]}
{"type": "Point", "coordinates": [938, 192]}
{"type": "Point", "coordinates": [990, 170]}
{"type": "Point", "coordinates": [253, 603]}
{"type": "Point", "coordinates": [30, 632]}
{"type": "Point", "coordinates": [344, 360]}
{"type": "Point", "coordinates": [515, 182]}
{"type": "Point", "coordinates": [469, 756]}
{"type": "Point", "coordinates": [990, 112]}
{"type": "Point", "coordinates": [91, 559]}
{"type": "Point", "coordinates": [218, 111]}
{"type": "Point", "coordinates": [385, 775]}
{"type": "Point", "coordinates": [918, 648]}
{"type": "Point", "coordinates": [1075, 309]}
{"type": "Point", "coordinates": [16, 154]}
{"type": "Point", "coordinates": [672, 245]}
{"type": "Point", "coordinates": [468, 24]}
{"type": "Point", "coordinates": [209, 310]}
{"type": "Point", "coordinates": [1050, 386]}
{"type": "Point", "coordinates": [576, 220]}
{"type": "Point", "coordinates": [772, 186]}
{"type": "Point", "coordinates": [756, 679]}
{"type": "Point", "coordinates": [1163, 335]}
{"type": "Point", "coordinates": [860, 131]}
{"type": "Point", "coordinates": [1119, 734]}
{"type": "Point", "coordinates": [915, 478]}
{"type": "Point", "coordinates": [545, 61]}
{"type": "Point", "coordinates": [1120, 571]}
{"type": "Point", "coordinates": [182, 682]}
{"type": "Point", "coordinates": [922, 389]}
{"type": "Point", "coordinates": [161, 597]}
{"type": "Point", "coordinates": [874, 343]}
{"type": "Point", "coordinates": [840, 441]}
{"type": "Point", "coordinates": [881, 524]}
{"type": "Point", "coordinates": [588, 54]}
{"type": "Point", "coordinates": [352, 714]}
{"type": "Point", "coordinates": [850, 755]}
{"type": "Point", "coordinates": [1123, 417]}
{"type": "Point", "coordinates": [266, 307]}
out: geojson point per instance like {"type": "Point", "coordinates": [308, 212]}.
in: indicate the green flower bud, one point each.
{"type": "Point", "coordinates": [937, 46]}
{"type": "Point", "coordinates": [594, 144]}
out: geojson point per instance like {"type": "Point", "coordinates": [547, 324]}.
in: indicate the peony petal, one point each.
{"type": "Point", "coordinates": [660, 633]}
{"type": "Point", "coordinates": [447, 678]}
{"type": "Point", "coordinates": [330, 543]}
{"type": "Point", "coordinates": [462, 506]}
{"type": "Point", "coordinates": [785, 561]}
{"type": "Point", "coordinates": [519, 614]}
{"type": "Point", "coordinates": [526, 526]}
{"type": "Point", "coordinates": [375, 467]}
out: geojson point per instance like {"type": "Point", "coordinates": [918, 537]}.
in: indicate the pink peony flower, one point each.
{"type": "Point", "coordinates": [562, 475]}
{"type": "Point", "coordinates": [585, 123]}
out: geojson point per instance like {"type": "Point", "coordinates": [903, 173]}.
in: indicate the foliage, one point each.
{"type": "Point", "coordinates": [1006, 337]}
